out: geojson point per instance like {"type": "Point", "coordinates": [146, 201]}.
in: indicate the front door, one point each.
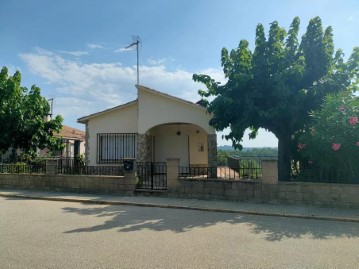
{"type": "Point", "coordinates": [172, 146]}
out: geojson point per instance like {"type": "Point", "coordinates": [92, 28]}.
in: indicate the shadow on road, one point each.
{"type": "Point", "coordinates": [130, 219]}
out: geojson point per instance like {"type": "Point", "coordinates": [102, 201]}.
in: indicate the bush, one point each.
{"type": "Point", "coordinates": [331, 141]}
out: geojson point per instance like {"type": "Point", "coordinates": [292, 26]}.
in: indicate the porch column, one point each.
{"type": "Point", "coordinates": [212, 154]}
{"type": "Point", "coordinates": [144, 148]}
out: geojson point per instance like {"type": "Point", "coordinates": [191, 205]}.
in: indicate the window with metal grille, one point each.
{"type": "Point", "coordinates": [114, 147]}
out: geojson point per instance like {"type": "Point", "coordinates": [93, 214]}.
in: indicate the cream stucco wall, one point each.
{"type": "Point", "coordinates": [196, 135]}
{"type": "Point", "coordinates": [156, 109]}
{"type": "Point", "coordinates": [121, 120]}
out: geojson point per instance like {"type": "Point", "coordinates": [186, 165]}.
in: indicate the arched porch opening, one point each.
{"type": "Point", "coordinates": [189, 143]}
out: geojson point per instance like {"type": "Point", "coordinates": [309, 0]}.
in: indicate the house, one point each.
{"type": "Point", "coordinates": [153, 128]}
{"type": "Point", "coordinates": [74, 141]}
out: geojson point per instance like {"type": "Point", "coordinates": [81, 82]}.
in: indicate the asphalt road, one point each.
{"type": "Point", "coordinates": [46, 234]}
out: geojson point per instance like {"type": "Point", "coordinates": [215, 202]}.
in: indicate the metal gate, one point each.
{"type": "Point", "coordinates": [152, 175]}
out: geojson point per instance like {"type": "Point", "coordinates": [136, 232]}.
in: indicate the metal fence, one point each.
{"type": "Point", "coordinates": [91, 170]}
{"type": "Point", "coordinates": [197, 172]}
{"type": "Point", "coordinates": [151, 175]}
{"type": "Point", "coordinates": [243, 167]}
{"type": "Point", "coordinates": [23, 168]}
{"type": "Point", "coordinates": [248, 167]}
{"type": "Point", "coordinates": [66, 166]}
{"type": "Point", "coordinates": [305, 172]}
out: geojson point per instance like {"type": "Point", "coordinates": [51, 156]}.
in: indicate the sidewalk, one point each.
{"type": "Point", "coordinates": [295, 211]}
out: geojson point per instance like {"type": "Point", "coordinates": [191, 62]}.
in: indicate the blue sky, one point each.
{"type": "Point", "coordinates": [73, 50]}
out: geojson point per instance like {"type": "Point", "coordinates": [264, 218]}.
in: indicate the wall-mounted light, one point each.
{"type": "Point", "coordinates": [178, 130]}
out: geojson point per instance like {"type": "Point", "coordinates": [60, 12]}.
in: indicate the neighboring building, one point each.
{"type": "Point", "coordinates": [74, 140]}
{"type": "Point", "coordinates": [152, 128]}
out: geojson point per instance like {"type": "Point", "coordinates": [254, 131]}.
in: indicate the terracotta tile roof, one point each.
{"type": "Point", "coordinates": [71, 133]}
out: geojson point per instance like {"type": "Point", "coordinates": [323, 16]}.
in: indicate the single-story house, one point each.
{"type": "Point", "coordinates": [153, 128]}
{"type": "Point", "coordinates": [74, 141]}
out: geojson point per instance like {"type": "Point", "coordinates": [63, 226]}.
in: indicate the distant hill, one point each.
{"type": "Point", "coordinates": [230, 148]}
{"type": "Point", "coordinates": [226, 148]}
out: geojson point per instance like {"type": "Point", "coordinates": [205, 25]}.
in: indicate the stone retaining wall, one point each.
{"type": "Point", "coordinates": [306, 193]}
{"type": "Point", "coordinates": [289, 193]}
{"type": "Point", "coordinates": [76, 183]}
{"type": "Point", "coordinates": [267, 190]}
{"type": "Point", "coordinates": [215, 189]}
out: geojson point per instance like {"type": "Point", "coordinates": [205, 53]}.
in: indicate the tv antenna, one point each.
{"type": "Point", "coordinates": [136, 41]}
{"type": "Point", "coordinates": [51, 102]}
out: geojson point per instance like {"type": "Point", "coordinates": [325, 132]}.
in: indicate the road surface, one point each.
{"type": "Point", "coordinates": [48, 234]}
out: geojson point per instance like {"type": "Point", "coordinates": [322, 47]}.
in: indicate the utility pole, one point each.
{"type": "Point", "coordinates": [136, 41]}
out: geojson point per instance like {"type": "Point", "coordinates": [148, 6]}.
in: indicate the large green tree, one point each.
{"type": "Point", "coordinates": [276, 85]}
{"type": "Point", "coordinates": [22, 117]}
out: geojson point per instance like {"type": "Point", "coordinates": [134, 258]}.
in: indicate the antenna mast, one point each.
{"type": "Point", "coordinates": [51, 100]}
{"type": "Point", "coordinates": [135, 42]}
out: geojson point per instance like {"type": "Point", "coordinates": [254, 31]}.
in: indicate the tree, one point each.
{"type": "Point", "coordinates": [275, 86]}
{"type": "Point", "coordinates": [22, 117]}
{"type": "Point", "coordinates": [331, 138]}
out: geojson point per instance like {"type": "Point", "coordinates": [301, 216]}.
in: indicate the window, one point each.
{"type": "Point", "coordinates": [113, 148]}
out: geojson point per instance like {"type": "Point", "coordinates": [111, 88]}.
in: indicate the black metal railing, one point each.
{"type": "Point", "coordinates": [220, 172]}
{"type": "Point", "coordinates": [23, 168]}
{"type": "Point", "coordinates": [72, 166]}
{"type": "Point", "coordinates": [197, 172]}
{"type": "Point", "coordinates": [66, 166]}
{"type": "Point", "coordinates": [151, 175]}
{"type": "Point", "coordinates": [305, 172]}
{"type": "Point", "coordinates": [248, 167]}
{"type": "Point", "coordinates": [91, 170]}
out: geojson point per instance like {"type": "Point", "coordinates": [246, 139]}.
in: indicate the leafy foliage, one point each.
{"type": "Point", "coordinates": [22, 114]}
{"type": "Point", "coordinates": [331, 139]}
{"type": "Point", "coordinates": [276, 85]}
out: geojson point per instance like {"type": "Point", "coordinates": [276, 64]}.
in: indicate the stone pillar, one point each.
{"type": "Point", "coordinates": [144, 148]}
{"type": "Point", "coordinates": [172, 173]}
{"type": "Point", "coordinates": [212, 154]}
{"type": "Point", "coordinates": [130, 182]}
{"type": "Point", "coordinates": [270, 171]}
{"type": "Point", "coordinates": [51, 166]}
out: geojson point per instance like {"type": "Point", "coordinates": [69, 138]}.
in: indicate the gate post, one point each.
{"type": "Point", "coordinates": [270, 171]}
{"type": "Point", "coordinates": [51, 166]}
{"type": "Point", "coordinates": [172, 173]}
{"type": "Point", "coordinates": [129, 181]}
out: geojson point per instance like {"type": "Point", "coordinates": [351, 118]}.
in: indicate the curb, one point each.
{"type": "Point", "coordinates": [249, 212]}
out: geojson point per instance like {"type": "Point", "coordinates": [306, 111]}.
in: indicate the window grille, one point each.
{"type": "Point", "coordinates": [114, 147]}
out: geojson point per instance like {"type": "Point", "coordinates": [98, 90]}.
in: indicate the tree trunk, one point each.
{"type": "Point", "coordinates": [284, 157]}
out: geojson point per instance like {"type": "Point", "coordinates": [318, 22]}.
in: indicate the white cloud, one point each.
{"type": "Point", "coordinates": [76, 53]}
{"type": "Point", "coordinates": [94, 46]}
{"type": "Point", "coordinates": [124, 49]}
{"type": "Point", "coordinates": [158, 61]}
